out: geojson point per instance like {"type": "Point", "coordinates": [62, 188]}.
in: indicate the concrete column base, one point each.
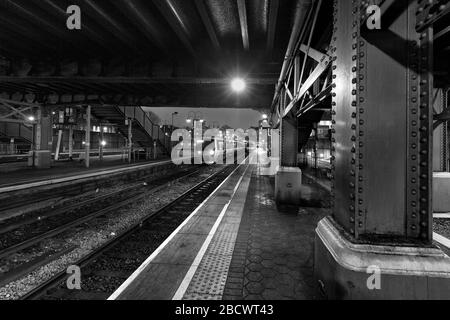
{"type": "Point", "coordinates": [344, 269]}
{"type": "Point", "coordinates": [271, 168]}
{"type": "Point", "coordinates": [42, 159]}
{"type": "Point", "coordinates": [288, 183]}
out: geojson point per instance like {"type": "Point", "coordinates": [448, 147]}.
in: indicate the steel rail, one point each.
{"type": "Point", "coordinates": [34, 240]}
{"type": "Point", "coordinates": [59, 277]}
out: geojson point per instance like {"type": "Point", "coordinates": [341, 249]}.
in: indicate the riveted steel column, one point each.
{"type": "Point", "coordinates": [382, 152]}
{"type": "Point", "coordinates": [381, 126]}
{"type": "Point", "coordinates": [344, 113]}
{"type": "Point", "coordinates": [289, 142]}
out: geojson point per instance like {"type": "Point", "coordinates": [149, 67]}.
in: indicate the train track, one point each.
{"type": "Point", "coordinates": [15, 200]}
{"type": "Point", "coordinates": [106, 268]}
{"type": "Point", "coordinates": [24, 234]}
{"type": "Point", "coordinates": [128, 198]}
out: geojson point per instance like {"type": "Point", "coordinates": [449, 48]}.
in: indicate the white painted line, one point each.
{"type": "Point", "coordinates": [441, 215]}
{"type": "Point", "coordinates": [441, 239]}
{"type": "Point", "coordinates": [198, 259]}
{"type": "Point", "coordinates": [166, 242]}
{"type": "Point", "coordinates": [78, 177]}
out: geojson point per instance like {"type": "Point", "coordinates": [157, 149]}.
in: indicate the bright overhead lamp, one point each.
{"type": "Point", "coordinates": [238, 85]}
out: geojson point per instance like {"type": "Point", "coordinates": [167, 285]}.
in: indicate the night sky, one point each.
{"type": "Point", "coordinates": [235, 118]}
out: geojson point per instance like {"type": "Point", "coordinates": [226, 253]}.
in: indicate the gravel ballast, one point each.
{"type": "Point", "coordinates": [90, 236]}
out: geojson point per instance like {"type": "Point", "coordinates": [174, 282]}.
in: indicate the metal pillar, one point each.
{"type": "Point", "coordinates": [58, 144]}
{"type": "Point", "coordinates": [70, 142]}
{"type": "Point", "coordinates": [130, 139]}
{"type": "Point", "coordinates": [11, 146]}
{"type": "Point", "coordinates": [41, 151]}
{"type": "Point", "coordinates": [289, 142]}
{"type": "Point", "coordinates": [88, 136]}
{"type": "Point", "coordinates": [296, 74]}
{"type": "Point", "coordinates": [100, 144]}
{"type": "Point", "coordinates": [382, 178]}
{"type": "Point", "coordinates": [288, 179]}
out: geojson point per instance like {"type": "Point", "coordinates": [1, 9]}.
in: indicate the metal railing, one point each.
{"type": "Point", "coordinates": [14, 149]}
{"type": "Point", "coordinates": [16, 130]}
{"type": "Point", "coordinates": [146, 123]}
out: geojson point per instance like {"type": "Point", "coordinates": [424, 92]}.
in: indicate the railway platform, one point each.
{"type": "Point", "coordinates": [238, 244]}
{"type": "Point", "coordinates": [66, 171]}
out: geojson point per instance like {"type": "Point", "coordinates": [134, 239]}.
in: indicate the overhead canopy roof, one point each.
{"type": "Point", "coordinates": [152, 52]}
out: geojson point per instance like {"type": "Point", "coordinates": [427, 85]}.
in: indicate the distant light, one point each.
{"type": "Point", "coordinates": [325, 124]}
{"type": "Point", "coordinates": [31, 118]}
{"type": "Point", "coordinates": [83, 143]}
{"type": "Point", "coordinates": [201, 121]}
{"type": "Point", "coordinates": [238, 85]}
{"type": "Point", "coordinates": [321, 155]}
{"type": "Point", "coordinates": [103, 143]}
{"type": "Point", "coordinates": [310, 154]}
{"type": "Point", "coordinates": [53, 112]}
{"type": "Point", "coordinates": [105, 129]}
{"type": "Point", "coordinates": [200, 141]}
{"type": "Point", "coordinates": [188, 120]}
{"type": "Point", "coordinates": [264, 116]}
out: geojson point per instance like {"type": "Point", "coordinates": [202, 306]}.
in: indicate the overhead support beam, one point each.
{"type": "Point", "coordinates": [430, 12]}
{"type": "Point", "coordinates": [441, 118]}
{"type": "Point", "coordinates": [61, 12]}
{"type": "Point", "coordinates": [315, 101]}
{"type": "Point", "coordinates": [303, 15]}
{"type": "Point", "coordinates": [132, 80]}
{"type": "Point", "coordinates": [312, 53]}
{"type": "Point", "coordinates": [173, 18]}
{"type": "Point", "coordinates": [122, 33]}
{"type": "Point", "coordinates": [19, 103]}
{"type": "Point", "coordinates": [200, 4]}
{"type": "Point", "coordinates": [442, 33]}
{"type": "Point", "coordinates": [27, 14]}
{"type": "Point", "coordinates": [24, 29]}
{"type": "Point", "coordinates": [273, 15]}
{"type": "Point", "coordinates": [313, 77]}
{"type": "Point", "coordinates": [145, 20]}
{"type": "Point", "coordinates": [21, 8]}
{"type": "Point", "coordinates": [242, 8]}
{"type": "Point", "coordinates": [9, 44]}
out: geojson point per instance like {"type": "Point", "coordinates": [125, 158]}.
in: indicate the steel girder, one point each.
{"type": "Point", "coordinates": [16, 111]}
{"type": "Point", "coordinates": [430, 11]}
{"type": "Point", "coordinates": [382, 126]}
{"type": "Point", "coordinates": [289, 142]}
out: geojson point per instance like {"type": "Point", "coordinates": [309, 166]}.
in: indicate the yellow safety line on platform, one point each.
{"type": "Point", "coordinates": [198, 259]}
{"type": "Point", "coordinates": [144, 265]}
